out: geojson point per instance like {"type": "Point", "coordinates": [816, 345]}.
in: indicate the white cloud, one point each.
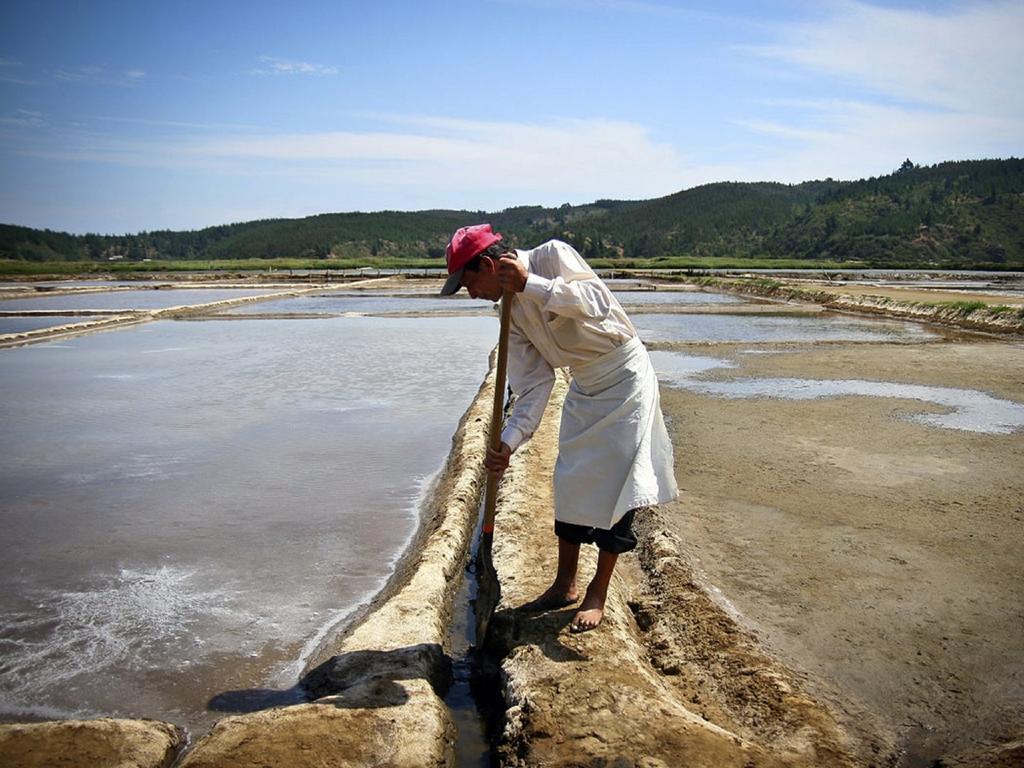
{"type": "Point", "coordinates": [271, 65]}
{"type": "Point", "coordinates": [869, 139]}
{"type": "Point", "coordinates": [965, 58]}
{"type": "Point", "coordinates": [23, 118]}
{"type": "Point", "coordinates": [931, 85]}
{"type": "Point", "coordinates": [582, 159]}
{"type": "Point", "coordinates": [78, 74]}
{"type": "Point", "coordinates": [206, 127]}
{"type": "Point", "coordinates": [437, 158]}
{"type": "Point", "coordinates": [11, 72]}
{"type": "Point", "coordinates": [91, 73]}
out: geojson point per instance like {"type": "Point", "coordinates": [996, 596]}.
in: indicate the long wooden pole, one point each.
{"type": "Point", "coordinates": [499, 408]}
{"type": "Point", "coordinates": [488, 587]}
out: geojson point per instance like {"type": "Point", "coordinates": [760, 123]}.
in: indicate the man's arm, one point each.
{"type": "Point", "coordinates": [574, 291]}
{"type": "Point", "coordinates": [531, 379]}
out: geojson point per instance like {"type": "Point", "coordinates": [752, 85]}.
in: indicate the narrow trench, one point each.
{"type": "Point", "coordinates": [474, 697]}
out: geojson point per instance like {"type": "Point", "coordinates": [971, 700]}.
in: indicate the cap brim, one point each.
{"type": "Point", "coordinates": [452, 284]}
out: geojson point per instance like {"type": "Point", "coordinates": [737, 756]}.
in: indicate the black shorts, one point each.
{"type": "Point", "coordinates": [616, 540]}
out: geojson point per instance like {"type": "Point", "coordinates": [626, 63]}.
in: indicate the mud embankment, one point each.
{"type": "Point", "coordinates": [103, 743]}
{"type": "Point", "coordinates": [667, 680]}
{"type": "Point", "coordinates": [977, 315]}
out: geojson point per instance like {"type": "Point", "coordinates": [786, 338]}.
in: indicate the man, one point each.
{"type": "Point", "coordinates": [614, 453]}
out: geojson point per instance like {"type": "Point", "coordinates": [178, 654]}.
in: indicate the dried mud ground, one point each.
{"type": "Point", "coordinates": [877, 558]}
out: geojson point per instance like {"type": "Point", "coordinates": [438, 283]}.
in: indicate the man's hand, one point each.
{"type": "Point", "coordinates": [497, 461]}
{"type": "Point", "coordinates": [511, 273]}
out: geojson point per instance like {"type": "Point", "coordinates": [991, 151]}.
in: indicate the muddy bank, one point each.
{"type": "Point", "coordinates": [877, 555]}
{"type": "Point", "coordinates": [67, 330]}
{"type": "Point", "coordinates": [638, 691]}
{"type": "Point", "coordinates": [981, 312]}
{"type": "Point", "coordinates": [99, 743]}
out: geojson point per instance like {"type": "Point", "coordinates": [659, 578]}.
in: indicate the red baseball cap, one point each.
{"type": "Point", "coordinates": [466, 243]}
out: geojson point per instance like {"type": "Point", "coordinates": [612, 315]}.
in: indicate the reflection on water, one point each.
{"type": "Point", "coordinates": [189, 505]}
{"type": "Point", "coordinates": [145, 299]}
{"type": "Point", "coordinates": [679, 328]}
{"type": "Point", "coordinates": [969, 409]}
{"type": "Point", "coordinates": [362, 303]}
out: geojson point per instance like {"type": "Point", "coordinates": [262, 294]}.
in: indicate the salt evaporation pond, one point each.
{"type": "Point", "coordinates": [361, 303]}
{"type": "Point", "coordinates": [969, 410]}
{"type": "Point", "coordinates": [638, 298]}
{"type": "Point", "coordinates": [73, 284]}
{"type": "Point", "coordinates": [143, 299]}
{"type": "Point", "coordinates": [22, 324]}
{"type": "Point", "coordinates": [736, 328]}
{"type": "Point", "coordinates": [190, 507]}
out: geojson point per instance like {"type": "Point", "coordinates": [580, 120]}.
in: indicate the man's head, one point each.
{"type": "Point", "coordinates": [472, 257]}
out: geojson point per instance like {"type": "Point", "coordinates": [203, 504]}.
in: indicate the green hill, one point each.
{"type": "Point", "coordinates": [953, 214]}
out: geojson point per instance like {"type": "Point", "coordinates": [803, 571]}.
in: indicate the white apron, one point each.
{"type": "Point", "coordinates": [614, 453]}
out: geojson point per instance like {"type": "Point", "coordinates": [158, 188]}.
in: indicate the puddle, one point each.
{"type": "Point", "coordinates": [675, 367]}
{"type": "Point", "coordinates": [361, 303]}
{"type": "Point", "coordinates": [146, 299]}
{"type": "Point", "coordinates": [719, 328]}
{"type": "Point", "coordinates": [969, 410]}
{"type": "Point", "coordinates": [224, 491]}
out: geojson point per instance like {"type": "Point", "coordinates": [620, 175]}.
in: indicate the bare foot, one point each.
{"type": "Point", "coordinates": [556, 596]}
{"type": "Point", "coordinates": [589, 615]}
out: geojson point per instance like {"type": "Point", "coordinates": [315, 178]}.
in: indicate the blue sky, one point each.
{"type": "Point", "coordinates": [128, 116]}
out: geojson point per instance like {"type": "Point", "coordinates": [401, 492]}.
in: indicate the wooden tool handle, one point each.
{"type": "Point", "coordinates": [491, 499]}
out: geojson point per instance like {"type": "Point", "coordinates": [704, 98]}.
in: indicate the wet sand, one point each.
{"type": "Point", "coordinates": [877, 556]}
{"type": "Point", "coordinates": [991, 297]}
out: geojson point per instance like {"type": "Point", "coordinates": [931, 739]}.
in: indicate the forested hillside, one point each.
{"type": "Point", "coordinates": [954, 214]}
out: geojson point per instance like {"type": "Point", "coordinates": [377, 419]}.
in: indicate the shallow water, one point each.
{"type": "Point", "coordinates": [635, 298]}
{"type": "Point", "coordinates": [698, 328]}
{"type": "Point", "coordinates": [144, 299]}
{"type": "Point", "coordinates": [969, 410]}
{"type": "Point", "coordinates": [190, 506]}
{"type": "Point", "coordinates": [362, 303]}
{"type": "Point", "coordinates": [21, 324]}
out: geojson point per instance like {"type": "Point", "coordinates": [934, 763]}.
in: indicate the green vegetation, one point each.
{"type": "Point", "coordinates": [963, 307]}
{"type": "Point", "coordinates": [967, 214]}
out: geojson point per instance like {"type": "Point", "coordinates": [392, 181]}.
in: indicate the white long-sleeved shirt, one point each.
{"type": "Point", "coordinates": [565, 317]}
